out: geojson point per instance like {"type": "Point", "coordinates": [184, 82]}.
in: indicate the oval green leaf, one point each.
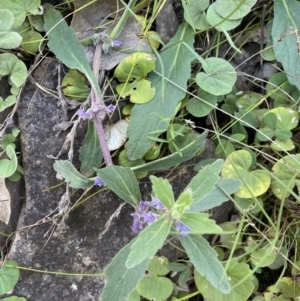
{"type": "Point", "coordinates": [8, 276]}
{"type": "Point", "coordinates": [8, 166]}
{"type": "Point", "coordinates": [254, 182]}
{"type": "Point", "coordinates": [219, 77]}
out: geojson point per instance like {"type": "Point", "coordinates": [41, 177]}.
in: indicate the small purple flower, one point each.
{"type": "Point", "coordinates": [182, 228]}
{"type": "Point", "coordinates": [116, 43]}
{"type": "Point", "coordinates": [148, 217]}
{"type": "Point", "coordinates": [156, 203]}
{"type": "Point", "coordinates": [84, 115]}
{"type": "Point", "coordinates": [98, 182]}
{"type": "Point", "coordinates": [137, 224]}
{"type": "Point", "coordinates": [143, 206]}
{"type": "Point", "coordinates": [110, 108]}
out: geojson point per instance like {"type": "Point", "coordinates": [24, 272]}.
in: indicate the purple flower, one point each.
{"type": "Point", "coordinates": [110, 108]}
{"type": "Point", "coordinates": [156, 203]}
{"type": "Point", "coordinates": [137, 224]}
{"type": "Point", "coordinates": [84, 115]}
{"type": "Point", "coordinates": [182, 228]}
{"type": "Point", "coordinates": [116, 43]}
{"type": "Point", "coordinates": [143, 206]}
{"type": "Point", "coordinates": [148, 217]}
{"type": "Point", "coordinates": [98, 182]}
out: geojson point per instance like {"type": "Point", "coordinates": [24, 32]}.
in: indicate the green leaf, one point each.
{"type": "Point", "coordinates": [71, 175]}
{"type": "Point", "coordinates": [74, 85]}
{"type": "Point", "coordinates": [163, 191]}
{"type": "Point", "coordinates": [287, 119]}
{"type": "Point", "coordinates": [182, 204]}
{"type": "Point", "coordinates": [205, 180]}
{"type": "Point", "coordinates": [8, 276]}
{"type": "Point", "coordinates": [122, 182]}
{"type": "Point", "coordinates": [8, 166]}
{"type": "Point", "coordinates": [234, 9]}
{"type": "Point", "coordinates": [194, 13]}
{"type": "Point", "coordinates": [64, 44]}
{"type": "Point", "coordinates": [202, 106]}
{"type": "Point", "coordinates": [8, 39]}
{"type": "Point", "coordinates": [289, 288]}
{"type": "Point", "coordinates": [139, 91]}
{"type": "Point", "coordinates": [254, 182]}
{"type": "Point", "coordinates": [14, 298]}
{"type": "Point", "coordinates": [156, 114]}
{"type": "Point", "coordinates": [220, 23]}
{"type": "Point", "coordinates": [159, 266]}
{"type": "Point", "coordinates": [200, 223]}
{"type": "Point", "coordinates": [206, 262]}
{"type": "Point", "coordinates": [91, 154]}
{"type": "Point", "coordinates": [220, 194]}
{"type": "Point", "coordinates": [120, 280]}
{"type": "Point", "coordinates": [149, 241]}
{"type": "Point", "coordinates": [285, 37]}
{"type": "Point", "coordinates": [31, 41]}
{"type": "Point", "coordinates": [219, 76]}
{"type": "Point", "coordinates": [287, 173]}
{"type": "Point", "coordinates": [186, 153]}
{"type": "Point", "coordinates": [20, 8]}
{"type": "Point", "coordinates": [134, 296]}
{"type": "Point", "coordinates": [235, 272]}
{"type": "Point", "coordinates": [16, 70]}
{"type": "Point", "coordinates": [156, 288]}
{"type": "Point", "coordinates": [135, 67]}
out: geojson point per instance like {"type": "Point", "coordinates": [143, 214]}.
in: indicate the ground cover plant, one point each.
{"type": "Point", "coordinates": [178, 94]}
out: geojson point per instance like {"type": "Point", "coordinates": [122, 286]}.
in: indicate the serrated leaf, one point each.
{"type": "Point", "coordinates": [64, 44]}
{"type": "Point", "coordinates": [186, 153]}
{"type": "Point", "coordinates": [200, 223]}
{"type": "Point", "coordinates": [8, 276]}
{"type": "Point", "coordinates": [8, 166]}
{"type": "Point", "coordinates": [163, 191]}
{"type": "Point", "coordinates": [91, 154]}
{"type": "Point", "coordinates": [120, 280]}
{"type": "Point", "coordinates": [71, 175]}
{"type": "Point", "coordinates": [220, 194]}
{"type": "Point", "coordinates": [285, 37]}
{"type": "Point", "coordinates": [122, 182]}
{"type": "Point", "coordinates": [219, 76]}
{"type": "Point", "coordinates": [149, 241]}
{"type": "Point", "coordinates": [20, 9]}
{"type": "Point", "coordinates": [235, 272]}
{"type": "Point", "coordinates": [206, 262]}
{"type": "Point", "coordinates": [156, 114]}
{"type": "Point", "coordinates": [205, 180]}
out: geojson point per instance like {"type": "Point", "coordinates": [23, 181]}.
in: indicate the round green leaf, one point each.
{"type": "Point", "coordinates": [12, 66]}
{"type": "Point", "coordinates": [139, 91]}
{"type": "Point", "coordinates": [234, 9]}
{"type": "Point", "coordinates": [279, 145]}
{"type": "Point", "coordinates": [286, 170]}
{"type": "Point", "coordinates": [254, 182]}
{"type": "Point", "coordinates": [155, 288]}
{"type": "Point", "coordinates": [198, 107]}
{"type": "Point", "coordinates": [158, 266]}
{"type": "Point", "coordinates": [31, 41]}
{"type": "Point", "coordinates": [214, 19]}
{"type": "Point", "coordinates": [134, 67]}
{"type": "Point", "coordinates": [8, 276]}
{"type": "Point", "coordinates": [74, 85]}
{"type": "Point", "coordinates": [287, 119]}
{"type": "Point", "coordinates": [194, 13]}
{"type": "Point", "coordinates": [268, 53]}
{"type": "Point", "coordinates": [8, 39]}
{"type": "Point", "coordinates": [8, 167]}
{"type": "Point", "coordinates": [219, 77]}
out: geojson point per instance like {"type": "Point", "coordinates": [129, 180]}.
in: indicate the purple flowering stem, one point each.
{"type": "Point", "coordinates": [96, 99]}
